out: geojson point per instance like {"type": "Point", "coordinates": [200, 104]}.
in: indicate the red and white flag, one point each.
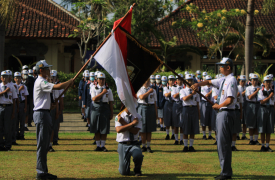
{"type": "Point", "coordinates": [113, 58]}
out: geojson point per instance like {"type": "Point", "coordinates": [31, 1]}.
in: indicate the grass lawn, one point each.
{"type": "Point", "coordinates": [75, 159]}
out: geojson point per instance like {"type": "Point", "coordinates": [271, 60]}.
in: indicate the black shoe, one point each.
{"type": "Point", "coordinates": [94, 138]}
{"type": "Point", "coordinates": [87, 125]}
{"type": "Point", "coordinates": [251, 142]}
{"type": "Point", "coordinates": [158, 125]}
{"type": "Point", "coordinates": [3, 149]}
{"type": "Point", "coordinates": [14, 143]}
{"type": "Point", "coordinates": [45, 176]}
{"type": "Point", "coordinates": [244, 138]}
{"type": "Point", "coordinates": [140, 142]}
{"type": "Point", "coordinates": [215, 143]}
{"type": "Point", "coordinates": [222, 177]}
{"type": "Point", "coordinates": [167, 137]}
{"type": "Point", "coordinates": [26, 129]}
{"type": "Point", "coordinates": [191, 149]}
{"type": "Point", "coordinates": [138, 174]}
{"type": "Point", "coordinates": [51, 149]}
{"type": "Point", "coordinates": [173, 136]}
{"type": "Point", "coordinates": [263, 149]}
{"type": "Point", "coordinates": [29, 124]}
{"type": "Point", "coordinates": [269, 149]}
{"type": "Point", "coordinates": [176, 142]}
{"type": "Point", "coordinates": [94, 143]}
{"type": "Point", "coordinates": [55, 143]}
{"type": "Point", "coordinates": [164, 129]}
{"type": "Point", "coordinates": [85, 120]}
{"type": "Point", "coordinates": [104, 149]}
{"type": "Point", "coordinates": [181, 142]}
{"type": "Point", "coordinates": [185, 149]}
{"type": "Point", "coordinates": [204, 138]}
{"type": "Point", "coordinates": [211, 137]}
{"type": "Point", "coordinates": [143, 149]}
{"type": "Point", "coordinates": [257, 143]}
{"type": "Point", "coordinates": [238, 138]}
{"type": "Point", "coordinates": [88, 129]}
{"type": "Point", "coordinates": [233, 148]}
{"type": "Point", "coordinates": [82, 117]}
{"type": "Point", "coordinates": [149, 150]}
{"type": "Point", "coordinates": [98, 149]}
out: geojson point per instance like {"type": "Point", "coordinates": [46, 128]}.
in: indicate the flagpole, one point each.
{"type": "Point", "coordinates": [97, 49]}
{"type": "Point", "coordinates": [187, 83]}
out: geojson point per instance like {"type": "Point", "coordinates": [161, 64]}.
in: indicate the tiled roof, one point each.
{"type": "Point", "coordinates": [185, 35]}
{"type": "Point", "coordinates": [41, 19]}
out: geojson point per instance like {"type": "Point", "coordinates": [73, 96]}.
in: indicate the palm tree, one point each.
{"type": "Point", "coordinates": [7, 8]}
{"type": "Point", "coordinates": [170, 48]}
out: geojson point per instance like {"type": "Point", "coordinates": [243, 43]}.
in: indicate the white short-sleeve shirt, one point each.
{"type": "Point", "coordinates": [41, 94]}
{"type": "Point", "coordinates": [215, 92]}
{"type": "Point", "coordinates": [167, 90]}
{"type": "Point", "coordinates": [262, 97]}
{"type": "Point", "coordinates": [176, 90]}
{"type": "Point", "coordinates": [239, 98]}
{"type": "Point", "coordinates": [15, 89]}
{"type": "Point", "coordinates": [205, 90]}
{"type": "Point", "coordinates": [24, 92]}
{"type": "Point", "coordinates": [11, 94]}
{"type": "Point", "coordinates": [96, 90]}
{"type": "Point", "coordinates": [229, 89]}
{"type": "Point", "coordinates": [192, 101]}
{"type": "Point", "coordinates": [125, 136]}
{"type": "Point", "coordinates": [152, 98]}
{"type": "Point", "coordinates": [250, 90]}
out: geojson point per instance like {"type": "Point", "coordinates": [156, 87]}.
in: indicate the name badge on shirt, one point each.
{"type": "Point", "coordinates": [10, 97]}
{"type": "Point", "coordinates": [107, 95]}
{"type": "Point", "coordinates": [151, 96]}
{"type": "Point", "coordinates": [238, 99]}
{"type": "Point", "coordinates": [222, 92]}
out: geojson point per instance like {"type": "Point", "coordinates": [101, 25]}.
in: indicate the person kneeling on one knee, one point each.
{"type": "Point", "coordinates": [127, 128]}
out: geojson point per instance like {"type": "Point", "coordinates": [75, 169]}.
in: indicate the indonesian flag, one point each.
{"type": "Point", "coordinates": [113, 58]}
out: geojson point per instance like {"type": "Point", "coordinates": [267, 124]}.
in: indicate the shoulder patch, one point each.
{"type": "Point", "coordinates": [116, 119]}
{"type": "Point", "coordinates": [45, 82]}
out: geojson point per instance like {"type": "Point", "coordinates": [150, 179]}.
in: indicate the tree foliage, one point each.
{"type": "Point", "coordinates": [7, 8]}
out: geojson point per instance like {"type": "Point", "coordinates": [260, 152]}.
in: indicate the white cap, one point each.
{"type": "Point", "coordinates": [204, 73]}
{"type": "Point", "coordinates": [189, 76]}
{"type": "Point", "coordinates": [243, 77]}
{"type": "Point", "coordinates": [83, 74]}
{"type": "Point", "coordinates": [25, 72]}
{"type": "Point", "coordinates": [87, 74]}
{"type": "Point", "coordinates": [208, 77]}
{"type": "Point", "coordinates": [198, 72]}
{"type": "Point", "coordinates": [271, 75]}
{"type": "Point", "coordinates": [17, 74]}
{"type": "Point", "coordinates": [4, 73]}
{"type": "Point", "coordinates": [254, 76]}
{"type": "Point", "coordinates": [250, 75]}
{"type": "Point", "coordinates": [53, 73]}
{"type": "Point", "coordinates": [86, 71]}
{"type": "Point", "coordinates": [25, 67]}
{"type": "Point", "coordinates": [33, 68]}
{"type": "Point", "coordinates": [267, 78]}
{"type": "Point", "coordinates": [186, 72]}
{"type": "Point", "coordinates": [9, 72]}
{"type": "Point", "coordinates": [171, 77]}
{"type": "Point", "coordinates": [30, 71]}
{"type": "Point", "coordinates": [152, 77]}
{"type": "Point", "coordinates": [92, 74]}
{"type": "Point", "coordinates": [42, 64]}
{"type": "Point", "coordinates": [164, 78]}
{"type": "Point", "coordinates": [180, 76]}
{"type": "Point", "coordinates": [158, 77]}
{"type": "Point", "coordinates": [100, 75]}
{"type": "Point", "coordinates": [96, 73]}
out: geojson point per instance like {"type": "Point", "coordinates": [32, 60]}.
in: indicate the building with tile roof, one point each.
{"type": "Point", "coordinates": [185, 35]}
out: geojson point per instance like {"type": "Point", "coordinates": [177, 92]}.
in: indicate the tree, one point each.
{"type": "Point", "coordinates": [7, 8]}
{"type": "Point", "coordinates": [268, 6]}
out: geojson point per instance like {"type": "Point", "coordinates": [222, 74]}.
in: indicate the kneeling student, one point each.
{"type": "Point", "coordinates": [127, 128]}
{"type": "Point", "coordinates": [190, 114]}
{"type": "Point", "coordinates": [266, 113]}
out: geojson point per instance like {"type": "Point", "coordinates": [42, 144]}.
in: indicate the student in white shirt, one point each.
{"type": "Point", "coordinates": [127, 128]}
{"type": "Point", "coordinates": [242, 88]}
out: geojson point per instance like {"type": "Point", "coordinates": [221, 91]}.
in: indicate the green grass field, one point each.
{"type": "Point", "coordinates": [75, 159]}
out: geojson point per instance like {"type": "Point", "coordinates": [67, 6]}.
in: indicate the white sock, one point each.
{"type": "Point", "coordinates": [251, 138]}
{"type": "Point", "coordinates": [102, 143]}
{"type": "Point", "coordinates": [143, 145]}
{"type": "Point", "coordinates": [185, 141]}
{"type": "Point", "coordinates": [167, 131]}
{"type": "Point", "coordinates": [173, 131]}
{"type": "Point", "coordinates": [263, 144]}
{"type": "Point", "coordinates": [181, 136]}
{"type": "Point", "coordinates": [148, 144]}
{"type": "Point", "coordinates": [191, 141]}
{"type": "Point", "coordinates": [158, 121]}
{"type": "Point", "coordinates": [233, 143]}
{"type": "Point", "coordinates": [26, 124]}
{"type": "Point", "coordinates": [88, 125]}
{"type": "Point", "coordinates": [161, 125]}
{"type": "Point", "coordinates": [164, 126]}
{"type": "Point", "coordinates": [209, 133]}
{"type": "Point", "coordinates": [256, 137]}
{"type": "Point", "coordinates": [97, 143]}
{"type": "Point", "coordinates": [51, 144]}
{"type": "Point", "coordinates": [176, 137]}
{"type": "Point", "coordinates": [243, 134]}
{"type": "Point", "coordinates": [267, 144]}
{"type": "Point", "coordinates": [82, 114]}
{"type": "Point", "coordinates": [204, 134]}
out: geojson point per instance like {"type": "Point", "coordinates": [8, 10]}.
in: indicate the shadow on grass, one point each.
{"type": "Point", "coordinates": [178, 176]}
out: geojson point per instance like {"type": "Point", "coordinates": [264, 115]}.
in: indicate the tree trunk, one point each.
{"type": "Point", "coordinates": [249, 32]}
{"type": "Point", "coordinates": [2, 46]}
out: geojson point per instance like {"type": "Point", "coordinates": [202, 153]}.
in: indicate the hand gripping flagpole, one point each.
{"type": "Point", "coordinates": [111, 33]}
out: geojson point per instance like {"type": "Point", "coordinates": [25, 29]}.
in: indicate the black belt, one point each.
{"type": "Point", "coordinates": [129, 142]}
{"type": "Point", "coordinates": [5, 105]}
{"type": "Point", "coordinates": [190, 106]}
{"type": "Point", "coordinates": [43, 110]}
{"type": "Point", "coordinates": [220, 110]}
{"type": "Point", "coordinates": [101, 102]}
{"type": "Point", "coordinates": [147, 104]}
{"type": "Point", "coordinates": [253, 102]}
{"type": "Point", "coordinates": [266, 105]}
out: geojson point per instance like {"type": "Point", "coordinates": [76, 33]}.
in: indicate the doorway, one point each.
{"type": "Point", "coordinates": [14, 65]}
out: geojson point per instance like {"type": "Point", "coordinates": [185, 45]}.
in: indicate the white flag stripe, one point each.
{"type": "Point", "coordinates": [111, 59]}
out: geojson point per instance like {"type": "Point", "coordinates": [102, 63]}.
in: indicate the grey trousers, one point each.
{"type": "Point", "coordinates": [43, 122]}
{"type": "Point", "coordinates": [224, 127]}
{"type": "Point", "coordinates": [125, 152]}
{"type": "Point", "coordinates": [13, 125]}
{"type": "Point", "coordinates": [20, 120]}
{"type": "Point", "coordinates": [5, 126]}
